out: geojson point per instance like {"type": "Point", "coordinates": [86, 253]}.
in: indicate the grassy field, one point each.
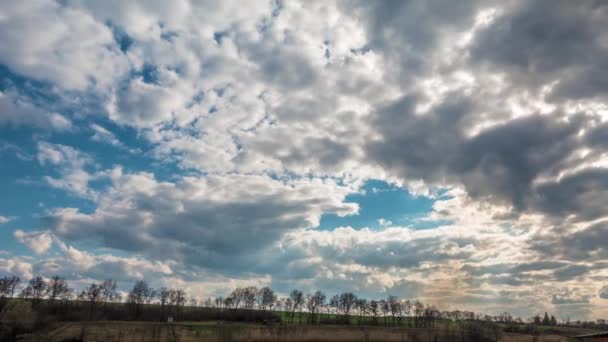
{"type": "Point", "coordinates": [223, 331]}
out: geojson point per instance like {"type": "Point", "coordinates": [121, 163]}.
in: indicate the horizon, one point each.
{"type": "Point", "coordinates": [454, 153]}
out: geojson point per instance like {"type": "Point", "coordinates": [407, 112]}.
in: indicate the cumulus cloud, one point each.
{"type": "Point", "coordinates": [16, 266]}
{"type": "Point", "coordinates": [59, 44]}
{"type": "Point", "coordinates": [216, 215]}
{"type": "Point", "coordinates": [16, 110]}
{"type": "Point", "coordinates": [39, 241]}
{"type": "Point", "coordinates": [5, 219]}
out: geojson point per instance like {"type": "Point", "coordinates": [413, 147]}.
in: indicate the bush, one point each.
{"type": "Point", "coordinates": [16, 317]}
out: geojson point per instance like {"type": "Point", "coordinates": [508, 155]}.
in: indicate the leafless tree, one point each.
{"type": "Point", "coordinates": [347, 303]}
{"type": "Point", "coordinates": [406, 308]}
{"type": "Point", "coordinates": [314, 302]}
{"type": "Point", "coordinates": [13, 284]}
{"type": "Point", "coordinates": [177, 299]}
{"type": "Point", "coordinates": [35, 290]}
{"type": "Point", "coordinates": [138, 296]}
{"type": "Point", "coordinates": [163, 297]}
{"type": "Point", "coordinates": [297, 300]}
{"type": "Point", "coordinates": [4, 287]}
{"type": "Point", "coordinates": [362, 307]}
{"type": "Point", "coordinates": [151, 296]}
{"type": "Point", "coordinates": [385, 309]}
{"type": "Point", "coordinates": [249, 297]}
{"type": "Point", "coordinates": [374, 309]}
{"type": "Point", "coordinates": [418, 312]}
{"type": "Point", "coordinates": [266, 298]}
{"type": "Point", "coordinates": [109, 291]}
{"type": "Point", "coordinates": [237, 297]}
{"type": "Point", "coordinates": [394, 307]}
{"type": "Point", "coordinates": [92, 295]}
{"type": "Point", "coordinates": [218, 302]}
{"type": "Point", "coordinates": [57, 287]}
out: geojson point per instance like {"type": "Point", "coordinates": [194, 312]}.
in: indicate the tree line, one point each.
{"type": "Point", "coordinates": [45, 299]}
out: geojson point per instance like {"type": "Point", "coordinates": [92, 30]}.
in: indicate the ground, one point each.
{"type": "Point", "coordinates": [223, 331]}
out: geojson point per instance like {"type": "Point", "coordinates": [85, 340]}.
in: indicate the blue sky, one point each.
{"type": "Point", "coordinates": [457, 157]}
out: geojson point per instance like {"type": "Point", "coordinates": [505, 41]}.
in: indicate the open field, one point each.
{"type": "Point", "coordinates": [221, 331]}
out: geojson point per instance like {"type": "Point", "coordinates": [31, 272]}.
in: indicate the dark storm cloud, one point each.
{"type": "Point", "coordinates": [532, 44]}
{"type": "Point", "coordinates": [544, 41]}
{"type": "Point", "coordinates": [500, 164]}
{"type": "Point", "coordinates": [588, 244]}
{"type": "Point", "coordinates": [406, 31]}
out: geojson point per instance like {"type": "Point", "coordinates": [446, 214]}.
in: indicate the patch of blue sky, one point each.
{"type": "Point", "coordinates": [122, 39]}
{"type": "Point", "coordinates": [380, 200]}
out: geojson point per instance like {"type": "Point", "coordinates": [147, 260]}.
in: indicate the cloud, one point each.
{"type": "Point", "coordinates": [16, 266]}
{"type": "Point", "coordinates": [103, 135]}
{"type": "Point", "coordinates": [604, 292]}
{"type": "Point", "coordinates": [263, 117]}
{"type": "Point", "coordinates": [539, 43]}
{"type": "Point", "coordinates": [216, 215]}
{"type": "Point", "coordinates": [569, 297]}
{"type": "Point", "coordinates": [59, 44]}
{"type": "Point", "coordinates": [39, 242]}
{"type": "Point", "coordinates": [71, 165]}
{"type": "Point", "coordinates": [16, 110]}
{"type": "Point", "coordinates": [4, 219]}
{"type": "Point", "coordinates": [583, 244]}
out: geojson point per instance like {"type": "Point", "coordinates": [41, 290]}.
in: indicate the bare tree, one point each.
{"type": "Point", "coordinates": [237, 297]}
{"type": "Point", "coordinates": [394, 307]}
{"type": "Point", "coordinates": [314, 302]}
{"type": "Point", "coordinates": [347, 302]}
{"type": "Point", "coordinates": [374, 309]}
{"type": "Point", "coordinates": [92, 295]}
{"type": "Point", "coordinates": [151, 296]}
{"type": "Point", "coordinates": [418, 312]}
{"type": "Point", "coordinates": [249, 297]}
{"type": "Point", "coordinates": [177, 299]}
{"type": "Point", "coordinates": [266, 298]}
{"type": "Point", "coordinates": [57, 287]}
{"type": "Point", "coordinates": [109, 291]}
{"type": "Point", "coordinates": [138, 296]}
{"type": "Point", "coordinates": [218, 302]}
{"type": "Point", "coordinates": [385, 308]}
{"type": "Point", "coordinates": [406, 308]}
{"type": "Point", "coordinates": [362, 307]}
{"type": "Point", "coordinates": [13, 284]}
{"type": "Point", "coordinates": [334, 304]}
{"type": "Point", "coordinates": [164, 295]}
{"type": "Point", "coordinates": [297, 299]}
{"type": "Point", "coordinates": [4, 287]}
{"type": "Point", "coordinates": [35, 290]}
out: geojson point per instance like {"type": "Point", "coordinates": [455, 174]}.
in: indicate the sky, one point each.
{"type": "Point", "coordinates": [454, 152]}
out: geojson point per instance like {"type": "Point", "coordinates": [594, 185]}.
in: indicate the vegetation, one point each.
{"type": "Point", "coordinates": [41, 302]}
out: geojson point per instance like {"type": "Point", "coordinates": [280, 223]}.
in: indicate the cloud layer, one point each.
{"type": "Point", "coordinates": [203, 143]}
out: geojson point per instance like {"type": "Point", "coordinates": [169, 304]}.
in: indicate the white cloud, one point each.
{"type": "Point", "coordinates": [38, 241]}
{"type": "Point", "coordinates": [16, 266]}
{"type": "Point", "coordinates": [16, 110]}
{"type": "Point", "coordinates": [103, 135]}
{"type": "Point", "coordinates": [71, 165]}
{"type": "Point", "coordinates": [5, 219]}
{"type": "Point", "coordinates": [59, 44]}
